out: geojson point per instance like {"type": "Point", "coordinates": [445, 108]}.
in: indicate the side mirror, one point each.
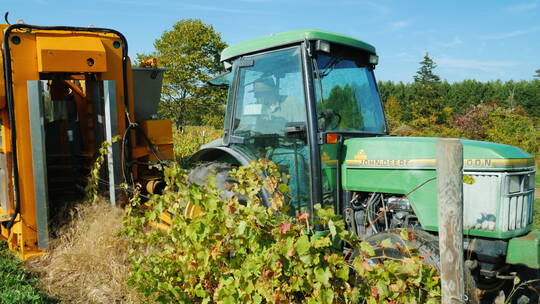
{"type": "Point", "coordinates": [223, 80]}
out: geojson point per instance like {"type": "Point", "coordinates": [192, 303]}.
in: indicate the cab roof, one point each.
{"type": "Point", "coordinates": [290, 37]}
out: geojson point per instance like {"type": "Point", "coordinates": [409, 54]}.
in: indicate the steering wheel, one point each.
{"type": "Point", "coordinates": [329, 119]}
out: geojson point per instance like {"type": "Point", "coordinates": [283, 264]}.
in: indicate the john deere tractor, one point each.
{"type": "Point", "coordinates": [308, 101]}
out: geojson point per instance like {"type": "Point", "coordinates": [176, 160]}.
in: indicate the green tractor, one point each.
{"type": "Point", "coordinates": [308, 101]}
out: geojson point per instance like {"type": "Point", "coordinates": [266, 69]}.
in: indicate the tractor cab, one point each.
{"type": "Point", "coordinates": [293, 97]}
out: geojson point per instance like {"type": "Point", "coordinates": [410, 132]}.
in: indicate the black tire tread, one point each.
{"type": "Point", "coordinates": [428, 247]}
{"type": "Point", "coordinates": [201, 173]}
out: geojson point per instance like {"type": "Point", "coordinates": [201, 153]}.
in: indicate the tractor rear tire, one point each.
{"type": "Point", "coordinates": [201, 174]}
{"type": "Point", "coordinates": [427, 246]}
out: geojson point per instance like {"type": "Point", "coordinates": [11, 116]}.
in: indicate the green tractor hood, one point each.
{"type": "Point", "coordinates": [406, 167]}
{"type": "Point", "coordinates": [419, 153]}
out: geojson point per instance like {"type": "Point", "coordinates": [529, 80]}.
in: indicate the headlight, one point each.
{"type": "Point", "coordinates": [373, 59]}
{"type": "Point", "coordinates": [514, 183]}
{"type": "Point", "coordinates": [323, 46]}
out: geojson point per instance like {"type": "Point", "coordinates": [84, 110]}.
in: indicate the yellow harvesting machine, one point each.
{"type": "Point", "coordinates": [64, 91]}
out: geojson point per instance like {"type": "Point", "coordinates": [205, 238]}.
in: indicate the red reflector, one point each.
{"type": "Point", "coordinates": [331, 138]}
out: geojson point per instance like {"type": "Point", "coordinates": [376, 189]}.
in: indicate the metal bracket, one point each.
{"type": "Point", "coordinates": [464, 299]}
{"type": "Point", "coordinates": [111, 130]}
{"type": "Point", "coordinates": [36, 115]}
{"type": "Point", "coordinates": [245, 63]}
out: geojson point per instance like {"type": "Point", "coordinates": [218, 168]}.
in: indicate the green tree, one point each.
{"type": "Point", "coordinates": [425, 74]}
{"type": "Point", "coordinates": [537, 73]}
{"type": "Point", "coordinates": [190, 52]}
{"type": "Point", "coordinates": [428, 106]}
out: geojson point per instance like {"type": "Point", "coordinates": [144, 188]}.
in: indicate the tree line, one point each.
{"type": "Point", "coordinates": [505, 112]}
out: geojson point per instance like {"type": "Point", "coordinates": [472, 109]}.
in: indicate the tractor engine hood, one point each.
{"type": "Point", "coordinates": [420, 153]}
{"type": "Point", "coordinates": [406, 167]}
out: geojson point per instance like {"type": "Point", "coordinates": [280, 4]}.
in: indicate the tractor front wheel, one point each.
{"type": "Point", "coordinates": [201, 174]}
{"type": "Point", "coordinates": [426, 245]}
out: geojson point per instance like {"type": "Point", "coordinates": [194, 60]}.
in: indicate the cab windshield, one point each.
{"type": "Point", "coordinates": [347, 96]}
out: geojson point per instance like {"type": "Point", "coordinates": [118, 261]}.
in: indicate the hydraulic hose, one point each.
{"type": "Point", "coordinates": [126, 165]}
{"type": "Point", "coordinates": [11, 102]}
{"type": "Point", "coordinates": [6, 18]}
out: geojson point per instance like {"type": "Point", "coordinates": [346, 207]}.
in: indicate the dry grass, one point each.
{"type": "Point", "coordinates": [88, 263]}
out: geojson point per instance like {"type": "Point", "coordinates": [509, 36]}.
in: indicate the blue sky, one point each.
{"type": "Point", "coordinates": [481, 39]}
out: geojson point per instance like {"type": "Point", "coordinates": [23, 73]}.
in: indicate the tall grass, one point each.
{"type": "Point", "coordinates": [187, 141]}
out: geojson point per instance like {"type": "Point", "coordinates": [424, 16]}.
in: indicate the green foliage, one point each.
{"type": "Point", "coordinates": [425, 74]}
{"type": "Point", "coordinates": [494, 123]}
{"type": "Point", "coordinates": [537, 73]}
{"type": "Point", "coordinates": [190, 52]}
{"type": "Point", "coordinates": [460, 95]}
{"type": "Point", "coordinates": [92, 187]}
{"type": "Point", "coordinates": [513, 127]}
{"type": "Point", "coordinates": [17, 285]}
{"type": "Point", "coordinates": [517, 285]}
{"type": "Point", "coordinates": [187, 141]}
{"type": "Point", "coordinates": [392, 280]}
{"type": "Point", "coordinates": [248, 253]}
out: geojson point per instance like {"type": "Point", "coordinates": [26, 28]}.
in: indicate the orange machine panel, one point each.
{"type": "Point", "coordinates": [2, 86]}
{"type": "Point", "coordinates": [70, 54]}
{"type": "Point", "coordinates": [158, 131]}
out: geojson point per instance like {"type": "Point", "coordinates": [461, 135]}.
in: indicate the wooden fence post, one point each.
{"type": "Point", "coordinates": [450, 201]}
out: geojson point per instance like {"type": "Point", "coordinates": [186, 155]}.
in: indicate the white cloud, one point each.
{"type": "Point", "coordinates": [455, 42]}
{"type": "Point", "coordinates": [218, 8]}
{"type": "Point", "coordinates": [473, 64]}
{"type": "Point", "coordinates": [198, 7]}
{"type": "Point", "coordinates": [256, 1]}
{"type": "Point", "coordinates": [403, 56]}
{"type": "Point", "coordinates": [373, 6]}
{"type": "Point", "coordinates": [381, 9]}
{"type": "Point", "coordinates": [512, 34]}
{"type": "Point", "coordinates": [523, 7]}
{"type": "Point", "coordinates": [400, 24]}
{"type": "Point", "coordinates": [138, 3]}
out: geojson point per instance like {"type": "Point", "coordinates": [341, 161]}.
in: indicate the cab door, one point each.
{"type": "Point", "coordinates": [269, 118]}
